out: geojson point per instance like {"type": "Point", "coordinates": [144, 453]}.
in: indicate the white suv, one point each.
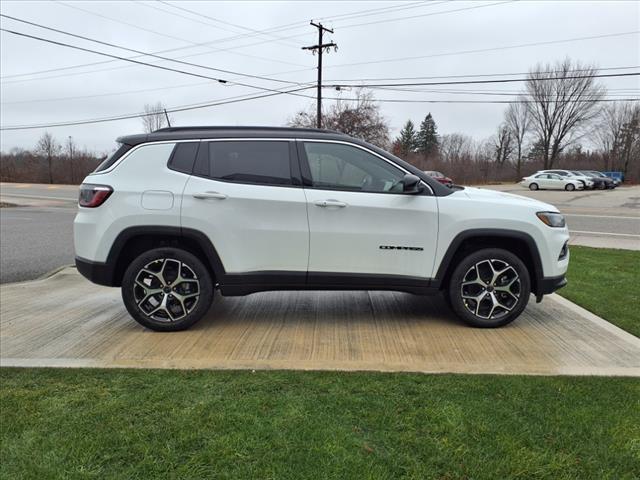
{"type": "Point", "coordinates": [175, 214]}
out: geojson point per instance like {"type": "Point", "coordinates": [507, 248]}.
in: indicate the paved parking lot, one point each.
{"type": "Point", "coordinates": [67, 321]}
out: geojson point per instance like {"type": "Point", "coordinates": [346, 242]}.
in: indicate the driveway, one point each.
{"type": "Point", "coordinates": [68, 322]}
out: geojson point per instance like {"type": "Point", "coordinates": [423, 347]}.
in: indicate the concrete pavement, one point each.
{"type": "Point", "coordinates": [65, 321]}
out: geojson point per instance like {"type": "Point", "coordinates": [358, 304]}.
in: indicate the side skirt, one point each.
{"type": "Point", "coordinates": [237, 284]}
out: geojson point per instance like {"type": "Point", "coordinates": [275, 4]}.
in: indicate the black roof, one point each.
{"type": "Point", "coordinates": [186, 133]}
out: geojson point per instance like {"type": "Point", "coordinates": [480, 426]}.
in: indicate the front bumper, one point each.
{"type": "Point", "coordinates": [549, 285]}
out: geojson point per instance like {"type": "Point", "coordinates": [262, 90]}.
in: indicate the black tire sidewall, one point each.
{"type": "Point", "coordinates": [204, 300]}
{"type": "Point", "coordinates": [570, 187]}
{"type": "Point", "coordinates": [460, 271]}
{"type": "Point", "coordinates": [534, 185]}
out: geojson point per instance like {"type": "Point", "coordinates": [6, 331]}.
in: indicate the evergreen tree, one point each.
{"type": "Point", "coordinates": [407, 140]}
{"type": "Point", "coordinates": [427, 138]}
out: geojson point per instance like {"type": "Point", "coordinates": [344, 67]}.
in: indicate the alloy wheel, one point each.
{"type": "Point", "coordinates": [166, 290]}
{"type": "Point", "coordinates": [490, 289]}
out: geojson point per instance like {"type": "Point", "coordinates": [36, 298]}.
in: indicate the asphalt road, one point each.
{"type": "Point", "coordinates": [38, 238]}
{"type": "Point", "coordinates": [34, 241]}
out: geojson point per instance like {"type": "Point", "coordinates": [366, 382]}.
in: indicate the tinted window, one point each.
{"type": "Point", "coordinates": [339, 166]}
{"type": "Point", "coordinates": [183, 157]}
{"type": "Point", "coordinates": [250, 161]}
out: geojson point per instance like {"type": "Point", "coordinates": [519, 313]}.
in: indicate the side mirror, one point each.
{"type": "Point", "coordinates": [411, 183]}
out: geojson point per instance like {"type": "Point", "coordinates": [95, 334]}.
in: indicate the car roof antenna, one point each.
{"type": "Point", "coordinates": [167, 115]}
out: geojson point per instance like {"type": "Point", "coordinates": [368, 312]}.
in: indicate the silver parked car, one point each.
{"type": "Point", "coordinates": [551, 181]}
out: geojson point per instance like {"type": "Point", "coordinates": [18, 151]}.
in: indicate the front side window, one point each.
{"type": "Point", "coordinates": [261, 162]}
{"type": "Point", "coordinates": [343, 167]}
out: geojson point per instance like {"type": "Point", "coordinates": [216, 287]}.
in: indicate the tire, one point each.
{"type": "Point", "coordinates": [602, 186]}
{"type": "Point", "coordinates": [569, 187]}
{"type": "Point", "coordinates": [172, 307]}
{"type": "Point", "coordinates": [533, 186]}
{"type": "Point", "coordinates": [491, 310]}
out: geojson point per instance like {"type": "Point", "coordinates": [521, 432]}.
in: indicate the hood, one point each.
{"type": "Point", "coordinates": [493, 196]}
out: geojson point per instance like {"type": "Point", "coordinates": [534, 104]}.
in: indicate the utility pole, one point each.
{"type": "Point", "coordinates": [319, 48]}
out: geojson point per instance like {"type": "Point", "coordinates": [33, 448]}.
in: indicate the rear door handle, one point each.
{"type": "Point", "coordinates": [330, 203]}
{"type": "Point", "coordinates": [207, 195]}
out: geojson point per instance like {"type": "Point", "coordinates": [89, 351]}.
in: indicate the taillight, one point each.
{"type": "Point", "coordinates": [92, 196]}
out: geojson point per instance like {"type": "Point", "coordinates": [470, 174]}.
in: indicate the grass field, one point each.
{"type": "Point", "coordinates": [225, 424]}
{"type": "Point", "coordinates": [606, 282]}
{"type": "Point", "coordinates": [138, 424]}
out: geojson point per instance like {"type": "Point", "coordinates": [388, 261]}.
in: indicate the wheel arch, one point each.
{"type": "Point", "coordinates": [516, 242]}
{"type": "Point", "coordinates": [133, 241]}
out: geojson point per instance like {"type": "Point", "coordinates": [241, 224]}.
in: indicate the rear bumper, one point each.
{"type": "Point", "coordinates": [550, 285]}
{"type": "Point", "coordinates": [97, 272]}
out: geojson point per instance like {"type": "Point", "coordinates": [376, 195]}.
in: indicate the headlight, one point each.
{"type": "Point", "coordinates": [553, 219]}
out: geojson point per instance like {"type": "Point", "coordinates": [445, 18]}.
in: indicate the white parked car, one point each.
{"type": "Point", "coordinates": [176, 214]}
{"type": "Point", "coordinates": [551, 181]}
{"type": "Point", "coordinates": [587, 181]}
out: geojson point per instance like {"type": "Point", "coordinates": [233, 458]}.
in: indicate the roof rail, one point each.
{"type": "Point", "coordinates": [221, 127]}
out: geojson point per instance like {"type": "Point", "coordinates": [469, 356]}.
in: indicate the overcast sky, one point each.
{"type": "Point", "coordinates": [378, 40]}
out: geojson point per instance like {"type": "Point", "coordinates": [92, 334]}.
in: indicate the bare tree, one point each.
{"type": "Point", "coordinates": [518, 121]}
{"type": "Point", "coordinates": [630, 140]}
{"type": "Point", "coordinates": [49, 148]}
{"type": "Point", "coordinates": [562, 100]}
{"type": "Point", "coordinates": [503, 145]}
{"type": "Point", "coordinates": [154, 117]}
{"type": "Point", "coordinates": [71, 150]}
{"type": "Point", "coordinates": [609, 132]}
{"type": "Point", "coordinates": [359, 118]}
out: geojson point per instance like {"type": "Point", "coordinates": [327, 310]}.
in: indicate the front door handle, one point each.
{"type": "Point", "coordinates": [207, 195]}
{"type": "Point", "coordinates": [330, 203]}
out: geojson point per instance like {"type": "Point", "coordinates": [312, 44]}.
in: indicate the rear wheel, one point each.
{"type": "Point", "coordinates": [533, 186]}
{"type": "Point", "coordinates": [167, 289]}
{"type": "Point", "coordinates": [570, 187]}
{"type": "Point", "coordinates": [489, 288]}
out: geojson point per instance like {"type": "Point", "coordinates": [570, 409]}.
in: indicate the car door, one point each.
{"type": "Point", "coordinates": [556, 182]}
{"type": "Point", "coordinates": [360, 221]}
{"type": "Point", "coordinates": [246, 198]}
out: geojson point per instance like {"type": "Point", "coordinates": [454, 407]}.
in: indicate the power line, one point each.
{"type": "Point", "coordinates": [473, 82]}
{"type": "Point", "coordinates": [482, 50]}
{"type": "Point", "coordinates": [257, 32]}
{"type": "Point", "coordinates": [293, 91]}
{"type": "Point", "coordinates": [181, 108]}
{"type": "Point", "coordinates": [475, 75]}
{"type": "Point", "coordinates": [387, 20]}
{"type": "Point", "coordinates": [184, 72]}
{"type": "Point", "coordinates": [63, 32]}
{"type": "Point", "coordinates": [275, 29]}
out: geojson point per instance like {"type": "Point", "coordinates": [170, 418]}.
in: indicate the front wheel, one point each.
{"type": "Point", "coordinates": [570, 187]}
{"type": "Point", "coordinates": [167, 289]}
{"type": "Point", "coordinates": [489, 288]}
{"type": "Point", "coordinates": [533, 186]}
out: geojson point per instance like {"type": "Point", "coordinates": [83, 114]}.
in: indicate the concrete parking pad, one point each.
{"type": "Point", "coordinates": [66, 321]}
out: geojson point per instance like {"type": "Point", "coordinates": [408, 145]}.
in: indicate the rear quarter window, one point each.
{"type": "Point", "coordinates": [113, 158]}
{"type": "Point", "coordinates": [184, 156]}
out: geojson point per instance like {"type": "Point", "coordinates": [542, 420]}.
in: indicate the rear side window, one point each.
{"type": "Point", "coordinates": [113, 158]}
{"type": "Point", "coordinates": [261, 162]}
{"type": "Point", "coordinates": [184, 156]}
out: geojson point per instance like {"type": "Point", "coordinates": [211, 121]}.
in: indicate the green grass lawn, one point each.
{"type": "Point", "coordinates": [69, 423]}
{"type": "Point", "coordinates": [606, 282]}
